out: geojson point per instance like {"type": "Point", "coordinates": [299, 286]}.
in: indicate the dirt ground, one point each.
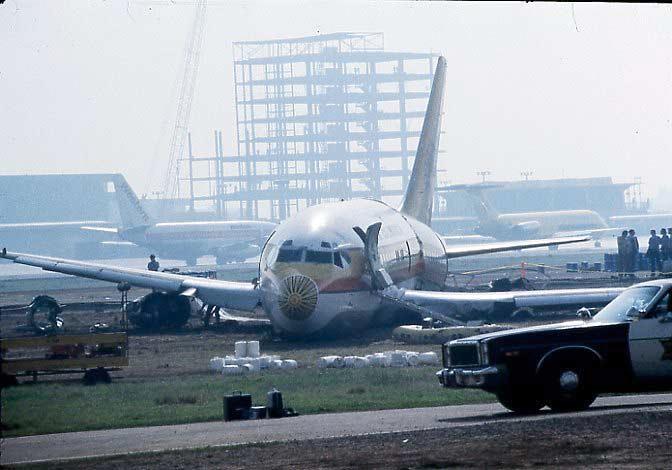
{"type": "Point", "coordinates": [186, 351]}
{"type": "Point", "coordinates": [631, 440]}
{"type": "Point", "coordinates": [627, 440]}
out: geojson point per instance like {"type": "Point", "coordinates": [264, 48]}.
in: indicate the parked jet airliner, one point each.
{"type": "Point", "coordinates": [527, 225]}
{"type": "Point", "coordinates": [226, 240]}
{"type": "Point", "coordinates": [344, 265]}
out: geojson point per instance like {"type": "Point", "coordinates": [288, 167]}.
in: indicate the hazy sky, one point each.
{"type": "Point", "coordinates": [560, 89]}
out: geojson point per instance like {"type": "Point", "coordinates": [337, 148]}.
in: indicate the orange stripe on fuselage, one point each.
{"type": "Point", "coordinates": [357, 283]}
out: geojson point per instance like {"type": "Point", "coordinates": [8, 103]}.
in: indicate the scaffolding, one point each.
{"type": "Point", "coordinates": [319, 119]}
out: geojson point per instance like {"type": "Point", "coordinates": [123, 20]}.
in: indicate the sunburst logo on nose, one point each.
{"type": "Point", "coordinates": [298, 297]}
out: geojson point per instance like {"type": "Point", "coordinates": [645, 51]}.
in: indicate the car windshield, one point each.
{"type": "Point", "coordinates": [628, 305]}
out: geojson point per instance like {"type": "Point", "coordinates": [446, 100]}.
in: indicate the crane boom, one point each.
{"type": "Point", "coordinates": [191, 59]}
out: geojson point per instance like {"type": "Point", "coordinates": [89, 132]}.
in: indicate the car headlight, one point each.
{"type": "Point", "coordinates": [484, 353]}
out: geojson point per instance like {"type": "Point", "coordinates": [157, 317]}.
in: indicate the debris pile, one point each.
{"type": "Point", "coordinates": [383, 359]}
{"type": "Point", "coordinates": [248, 358]}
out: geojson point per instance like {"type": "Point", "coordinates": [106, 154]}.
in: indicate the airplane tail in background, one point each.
{"type": "Point", "coordinates": [484, 209]}
{"type": "Point", "coordinates": [419, 196]}
{"type": "Point", "coordinates": [486, 213]}
{"type": "Point", "coordinates": [130, 209]}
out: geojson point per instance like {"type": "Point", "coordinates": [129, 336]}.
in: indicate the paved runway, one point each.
{"type": "Point", "coordinates": [161, 438]}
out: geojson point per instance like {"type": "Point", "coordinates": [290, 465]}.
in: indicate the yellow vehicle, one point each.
{"type": "Point", "coordinates": [94, 354]}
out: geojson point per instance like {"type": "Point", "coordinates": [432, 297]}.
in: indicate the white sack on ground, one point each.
{"type": "Point", "coordinates": [412, 359]}
{"type": "Point", "coordinates": [240, 348]}
{"type": "Point", "coordinates": [232, 370]}
{"type": "Point", "coordinates": [289, 364]}
{"type": "Point", "coordinates": [428, 358]}
{"type": "Point", "coordinates": [330, 361]}
{"type": "Point", "coordinates": [361, 362]}
{"type": "Point", "coordinates": [216, 364]}
{"type": "Point", "coordinates": [253, 349]}
{"type": "Point", "coordinates": [398, 359]}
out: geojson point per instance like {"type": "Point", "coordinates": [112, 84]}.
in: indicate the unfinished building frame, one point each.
{"type": "Point", "coordinates": [318, 119]}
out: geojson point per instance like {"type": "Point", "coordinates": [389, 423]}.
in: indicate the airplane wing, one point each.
{"type": "Point", "coordinates": [227, 294]}
{"type": "Point", "coordinates": [100, 229]}
{"type": "Point", "coordinates": [466, 239]}
{"type": "Point", "coordinates": [593, 232]}
{"type": "Point", "coordinates": [457, 251]}
{"type": "Point", "coordinates": [501, 304]}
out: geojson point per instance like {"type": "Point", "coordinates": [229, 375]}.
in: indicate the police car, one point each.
{"type": "Point", "coordinates": [626, 347]}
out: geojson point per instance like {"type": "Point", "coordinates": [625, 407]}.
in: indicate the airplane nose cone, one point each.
{"type": "Point", "coordinates": [297, 298]}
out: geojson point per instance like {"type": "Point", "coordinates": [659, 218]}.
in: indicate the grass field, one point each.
{"type": "Point", "coordinates": [52, 407]}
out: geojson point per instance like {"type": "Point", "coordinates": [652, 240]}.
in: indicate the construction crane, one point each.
{"type": "Point", "coordinates": [191, 59]}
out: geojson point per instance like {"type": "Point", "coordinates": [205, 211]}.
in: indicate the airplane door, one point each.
{"type": "Point", "coordinates": [650, 341]}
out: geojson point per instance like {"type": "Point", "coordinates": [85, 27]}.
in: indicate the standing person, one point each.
{"type": "Point", "coordinates": [653, 253]}
{"type": "Point", "coordinates": [153, 264]}
{"type": "Point", "coordinates": [664, 245]}
{"type": "Point", "coordinates": [621, 259]}
{"type": "Point", "coordinates": [633, 253]}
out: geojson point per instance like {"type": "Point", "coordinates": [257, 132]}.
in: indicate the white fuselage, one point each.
{"type": "Point", "coordinates": [313, 271]}
{"type": "Point", "coordinates": [193, 239]}
{"type": "Point", "coordinates": [541, 224]}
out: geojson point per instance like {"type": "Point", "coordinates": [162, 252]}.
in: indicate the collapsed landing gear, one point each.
{"type": "Point", "coordinates": [208, 313]}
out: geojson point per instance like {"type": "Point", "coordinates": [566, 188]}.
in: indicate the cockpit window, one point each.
{"type": "Point", "coordinates": [288, 255]}
{"type": "Point", "coordinates": [337, 259]}
{"type": "Point", "coordinates": [324, 257]}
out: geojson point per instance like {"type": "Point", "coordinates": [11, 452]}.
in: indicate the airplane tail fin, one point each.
{"type": "Point", "coordinates": [419, 196]}
{"type": "Point", "coordinates": [484, 209]}
{"type": "Point", "coordinates": [130, 209]}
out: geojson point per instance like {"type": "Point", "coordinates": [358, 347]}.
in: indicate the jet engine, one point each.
{"type": "Point", "coordinates": [161, 310]}
{"type": "Point", "coordinates": [235, 253]}
{"type": "Point", "coordinates": [528, 227]}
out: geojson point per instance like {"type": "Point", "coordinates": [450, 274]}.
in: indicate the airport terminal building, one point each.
{"type": "Point", "coordinates": [601, 195]}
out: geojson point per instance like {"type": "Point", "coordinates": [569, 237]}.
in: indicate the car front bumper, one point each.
{"type": "Point", "coordinates": [487, 378]}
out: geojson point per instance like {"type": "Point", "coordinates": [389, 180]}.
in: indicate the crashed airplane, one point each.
{"type": "Point", "coordinates": [337, 267]}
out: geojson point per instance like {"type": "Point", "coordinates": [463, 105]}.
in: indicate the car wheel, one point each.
{"type": "Point", "coordinates": [7, 380]}
{"type": "Point", "coordinates": [569, 388]}
{"type": "Point", "coordinates": [522, 400]}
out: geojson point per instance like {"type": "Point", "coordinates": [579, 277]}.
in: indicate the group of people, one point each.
{"type": "Point", "coordinates": [658, 251]}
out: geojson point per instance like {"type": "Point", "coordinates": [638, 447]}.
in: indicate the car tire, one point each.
{"type": "Point", "coordinates": [7, 380]}
{"type": "Point", "coordinates": [521, 400]}
{"type": "Point", "coordinates": [568, 387]}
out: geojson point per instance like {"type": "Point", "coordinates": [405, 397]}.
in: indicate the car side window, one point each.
{"type": "Point", "coordinates": [663, 307]}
